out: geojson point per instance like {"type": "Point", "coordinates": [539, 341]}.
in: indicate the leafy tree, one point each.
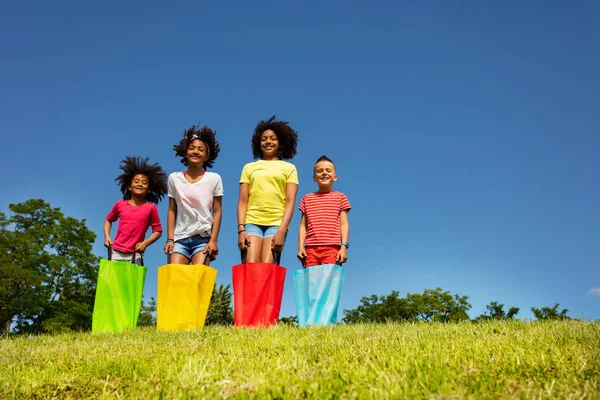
{"type": "Point", "coordinates": [148, 314]}
{"type": "Point", "coordinates": [547, 313]}
{"type": "Point", "coordinates": [495, 310]}
{"type": "Point", "coordinates": [431, 306]}
{"type": "Point", "coordinates": [437, 306]}
{"type": "Point", "coordinates": [48, 270]}
{"type": "Point", "coordinates": [220, 311]}
{"type": "Point", "coordinates": [292, 320]}
{"type": "Point", "coordinates": [381, 309]}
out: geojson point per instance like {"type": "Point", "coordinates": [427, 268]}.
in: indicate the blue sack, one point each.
{"type": "Point", "coordinates": [318, 290]}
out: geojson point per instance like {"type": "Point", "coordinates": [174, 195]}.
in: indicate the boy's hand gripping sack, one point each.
{"type": "Point", "coordinates": [118, 295]}
{"type": "Point", "coordinates": [317, 291]}
{"type": "Point", "coordinates": [257, 292]}
{"type": "Point", "coordinates": [184, 293]}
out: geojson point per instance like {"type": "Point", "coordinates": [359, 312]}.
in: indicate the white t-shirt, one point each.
{"type": "Point", "coordinates": [194, 203]}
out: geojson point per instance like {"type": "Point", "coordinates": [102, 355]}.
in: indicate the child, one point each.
{"type": "Point", "coordinates": [195, 200]}
{"type": "Point", "coordinates": [324, 228]}
{"type": "Point", "coordinates": [268, 190]}
{"type": "Point", "coordinates": [143, 185]}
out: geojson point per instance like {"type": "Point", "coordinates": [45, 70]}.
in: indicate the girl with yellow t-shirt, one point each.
{"type": "Point", "coordinates": [268, 189]}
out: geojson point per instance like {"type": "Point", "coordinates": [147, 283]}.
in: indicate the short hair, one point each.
{"type": "Point", "coordinates": [207, 136]}
{"type": "Point", "coordinates": [322, 158]}
{"type": "Point", "coordinates": [157, 178]}
{"type": "Point", "coordinates": [286, 135]}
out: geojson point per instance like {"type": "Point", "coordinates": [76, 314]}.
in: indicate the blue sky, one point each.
{"type": "Point", "coordinates": [465, 134]}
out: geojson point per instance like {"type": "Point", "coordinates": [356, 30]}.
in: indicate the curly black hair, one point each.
{"type": "Point", "coordinates": [206, 135]}
{"type": "Point", "coordinates": [157, 177]}
{"type": "Point", "coordinates": [287, 136]}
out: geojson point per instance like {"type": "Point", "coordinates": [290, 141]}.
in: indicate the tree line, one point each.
{"type": "Point", "coordinates": [49, 279]}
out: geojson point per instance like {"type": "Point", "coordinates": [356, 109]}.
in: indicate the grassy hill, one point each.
{"type": "Point", "coordinates": [491, 360]}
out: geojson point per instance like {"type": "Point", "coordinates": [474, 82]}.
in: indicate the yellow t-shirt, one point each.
{"type": "Point", "coordinates": [267, 181]}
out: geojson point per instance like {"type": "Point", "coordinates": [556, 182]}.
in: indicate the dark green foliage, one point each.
{"type": "Point", "coordinates": [547, 313]}
{"type": "Point", "coordinates": [148, 314]}
{"type": "Point", "coordinates": [48, 270]}
{"type": "Point", "coordinates": [292, 320]}
{"type": "Point", "coordinates": [431, 306]}
{"type": "Point", "coordinates": [381, 309]}
{"type": "Point", "coordinates": [495, 310]}
{"type": "Point", "coordinates": [220, 311]}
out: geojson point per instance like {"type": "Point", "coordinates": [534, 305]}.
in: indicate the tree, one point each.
{"type": "Point", "coordinates": [495, 310]}
{"type": "Point", "coordinates": [381, 309]}
{"type": "Point", "coordinates": [438, 306]}
{"type": "Point", "coordinates": [431, 306]}
{"type": "Point", "coordinates": [220, 311]}
{"type": "Point", "coordinates": [547, 313]}
{"type": "Point", "coordinates": [148, 314]}
{"type": "Point", "coordinates": [48, 270]}
{"type": "Point", "coordinates": [292, 320]}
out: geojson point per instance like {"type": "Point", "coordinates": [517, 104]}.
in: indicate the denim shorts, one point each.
{"type": "Point", "coordinates": [191, 245]}
{"type": "Point", "coordinates": [262, 231]}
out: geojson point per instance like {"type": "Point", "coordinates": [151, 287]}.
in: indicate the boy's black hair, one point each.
{"type": "Point", "coordinates": [287, 136]}
{"type": "Point", "coordinates": [207, 136]}
{"type": "Point", "coordinates": [157, 178]}
{"type": "Point", "coordinates": [323, 158]}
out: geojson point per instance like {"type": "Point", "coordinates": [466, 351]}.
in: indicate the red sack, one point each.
{"type": "Point", "coordinates": [257, 293]}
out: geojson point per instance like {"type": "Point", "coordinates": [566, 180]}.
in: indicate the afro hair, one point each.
{"type": "Point", "coordinates": [157, 177]}
{"type": "Point", "coordinates": [287, 136]}
{"type": "Point", "coordinates": [207, 136]}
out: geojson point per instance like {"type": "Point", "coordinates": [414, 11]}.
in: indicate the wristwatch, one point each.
{"type": "Point", "coordinates": [345, 244]}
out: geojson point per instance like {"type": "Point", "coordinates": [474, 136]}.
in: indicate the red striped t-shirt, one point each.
{"type": "Point", "coordinates": [322, 212]}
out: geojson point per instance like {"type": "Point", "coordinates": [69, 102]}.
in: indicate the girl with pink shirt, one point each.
{"type": "Point", "coordinates": [143, 185]}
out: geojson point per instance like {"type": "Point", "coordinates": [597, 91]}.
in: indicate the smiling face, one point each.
{"type": "Point", "coordinates": [269, 145]}
{"type": "Point", "coordinates": [325, 175]}
{"type": "Point", "coordinates": [197, 153]}
{"type": "Point", "coordinates": [140, 186]}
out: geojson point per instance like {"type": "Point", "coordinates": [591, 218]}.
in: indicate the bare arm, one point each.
{"type": "Point", "coordinates": [107, 239]}
{"type": "Point", "coordinates": [345, 225]}
{"type": "Point", "coordinates": [141, 246]}
{"type": "Point", "coordinates": [212, 249]}
{"type": "Point", "coordinates": [342, 256]}
{"type": "Point", "coordinates": [171, 218]}
{"type": "Point", "coordinates": [291, 189]}
{"type": "Point", "coordinates": [243, 241]}
{"type": "Point", "coordinates": [301, 239]}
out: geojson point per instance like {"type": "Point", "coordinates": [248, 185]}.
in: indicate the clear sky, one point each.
{"type": "Point", "coordinates": [466, 134]}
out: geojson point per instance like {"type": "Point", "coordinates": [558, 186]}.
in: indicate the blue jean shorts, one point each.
{"type": "Point", "coordinates": [191, 245]}
{"type": "Point", "coordinates": [262, 231]}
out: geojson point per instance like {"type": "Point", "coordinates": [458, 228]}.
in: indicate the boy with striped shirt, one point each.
{"type": "Point", "coordinates": [324, 227]}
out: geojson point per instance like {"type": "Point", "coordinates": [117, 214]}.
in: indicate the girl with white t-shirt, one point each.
{"type": "Point", "coordinates": [195, 200]}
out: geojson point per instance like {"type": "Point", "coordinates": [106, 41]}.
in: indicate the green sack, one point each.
{"type": "Point", "coordinates": [118, 296]}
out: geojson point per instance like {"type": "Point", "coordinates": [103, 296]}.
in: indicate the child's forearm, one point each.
{"type": "Point", "coordinates": [153, 238]}
{"type": "Point", "coordinates": [242, 204]}
{"type": "Point", "coordinates": [107, 227]}
{"type": "Point", "coordinates": [241, 217]}
{"type": "Point", "coordinates": [171, 216]}
{"type": "Point", "coordinates": [344, 226]}
{"type": "Point", "coordinates": [302, 232]}
{"type": "Point", "coordinates": [301, 238]}
{"type": "Point", "coordinates": [217, 217]}
{"type": "Point", "coordinates": [287, 217]}
{"type": "Point", "coordinates": [290, 202]}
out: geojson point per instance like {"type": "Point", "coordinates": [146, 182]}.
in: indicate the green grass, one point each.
{"type": "Point", "coordinates": [492, 360]}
